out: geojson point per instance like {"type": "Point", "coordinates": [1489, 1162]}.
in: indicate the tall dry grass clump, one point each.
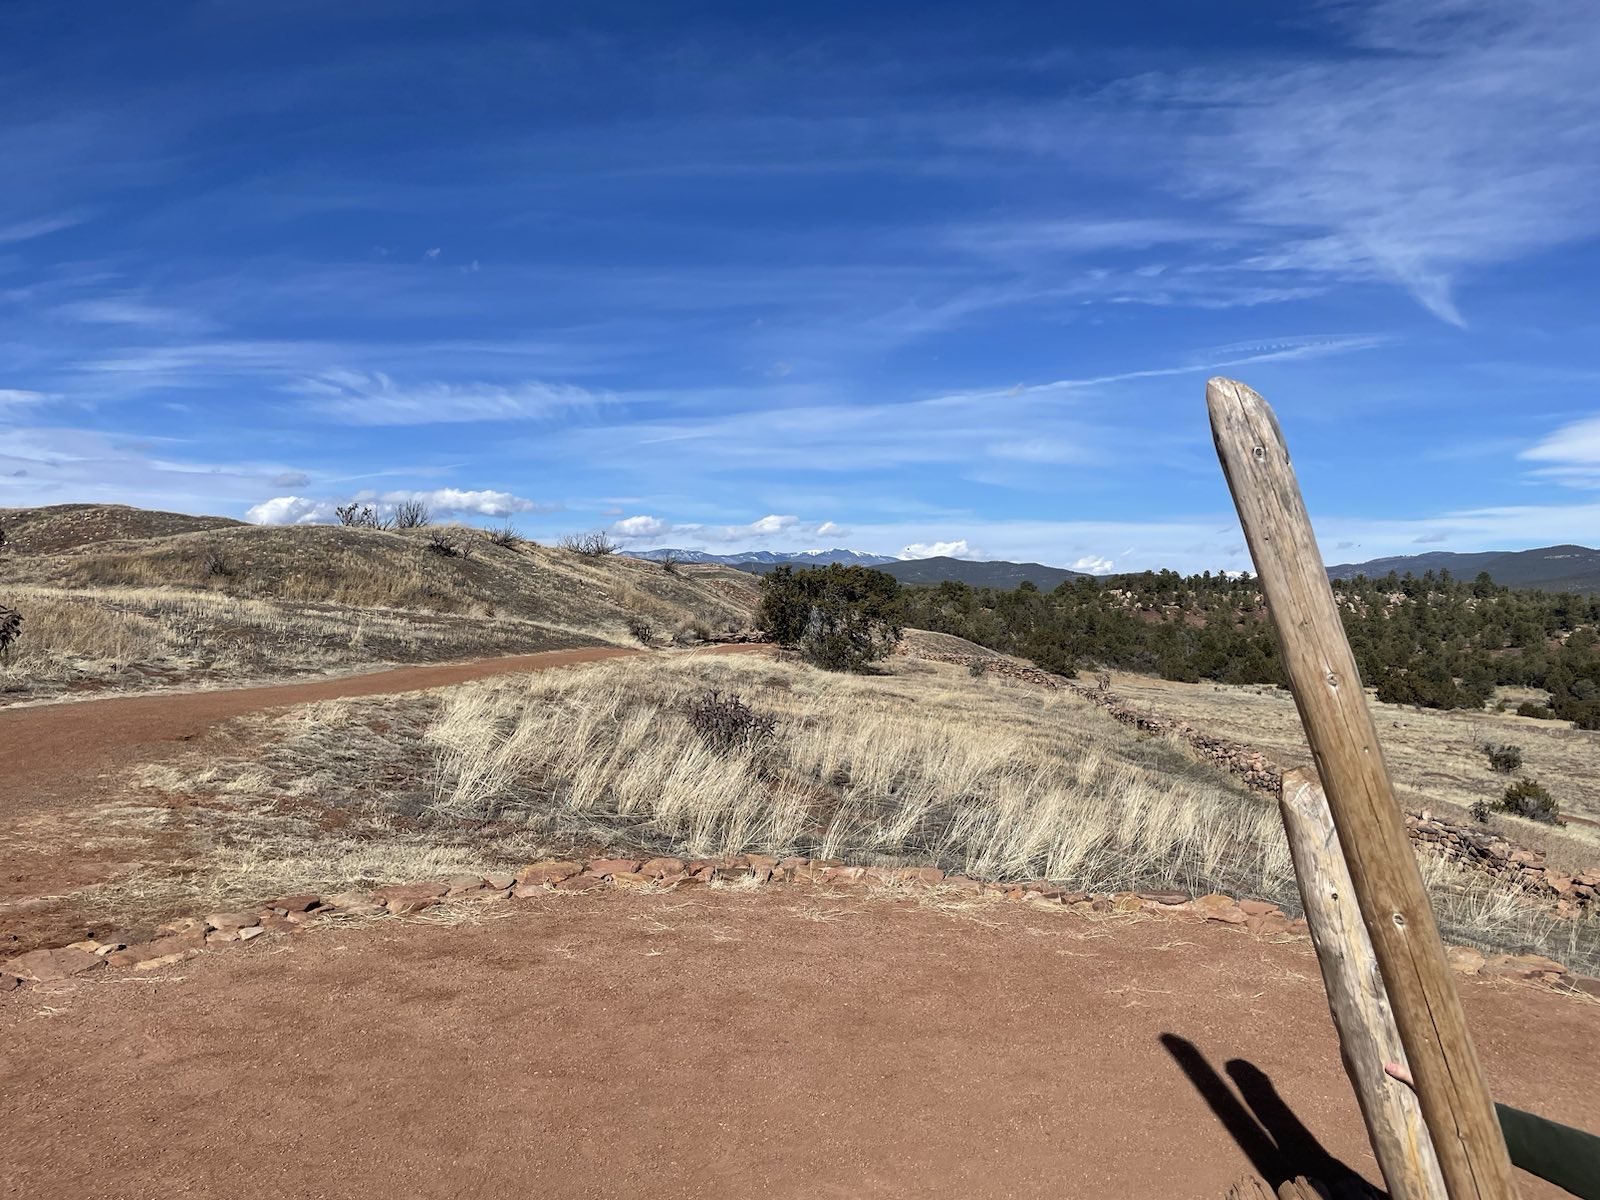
{"type": "Point", "coordinates": [983, 777]}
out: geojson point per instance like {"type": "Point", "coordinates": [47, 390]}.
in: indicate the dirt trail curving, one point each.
{"type": "Point", "coordinates": [59, 751]}
{"type": "Point", "coordinates": [784, 1042]}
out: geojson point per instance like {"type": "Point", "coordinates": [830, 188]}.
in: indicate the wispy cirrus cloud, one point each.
{"type": "Point", "coordinates": [374, 398]}
{"type": "Point", "coordinates": [1571, 454]}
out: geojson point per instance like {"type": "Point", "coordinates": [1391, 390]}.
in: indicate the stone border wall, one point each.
{"type": "Point", "coordinates": [178, 941]}
{"type": "Point", "coordinates": [1466, 844]}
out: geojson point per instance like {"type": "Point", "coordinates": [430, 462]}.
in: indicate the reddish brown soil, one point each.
{"type": "Point", "coordinates": [58, 761]}
{"type": "Point", "coordinates": [713, 1042]}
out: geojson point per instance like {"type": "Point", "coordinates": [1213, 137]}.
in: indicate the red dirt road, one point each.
{"type": "Point", "coordinates": [56, 750]}
{"type": "Point", "coordinates": [783, 1042]}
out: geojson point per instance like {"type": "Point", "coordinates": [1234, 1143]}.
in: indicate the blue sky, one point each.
{"type": "Point", "coordinates": [899, 278]}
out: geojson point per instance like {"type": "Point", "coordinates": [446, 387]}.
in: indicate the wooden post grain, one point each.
{"type": "Point", "coordinates": [1344, 741]}
{"type": "Point", "coordinates": [1368, 1037]}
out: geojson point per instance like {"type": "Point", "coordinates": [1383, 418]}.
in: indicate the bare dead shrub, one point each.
{"type": "Point", "coordinates": [412, 514]}
{"type": "Point", "coordinates": [727, 724]}
{"type": "Point", "coordinates": [10, 630]}
{"type": "Point", "coordinates": [506, 537]}
{"type": "Point", "coordinates": [448, 543]}
{"type": "Point", "coordinates": [641, 628]}
{"type": "Point", "coordinates": [217, 564]}
{"type": "Point", "coordinates": [361, 516]}
{"type": "Point", "coordinates": [669, 564]}
{"type": "Point", "coordinates": [594, 544]}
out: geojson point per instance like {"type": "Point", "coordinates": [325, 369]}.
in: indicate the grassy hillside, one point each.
{"type": "Point", "coordinates": [120, 597]}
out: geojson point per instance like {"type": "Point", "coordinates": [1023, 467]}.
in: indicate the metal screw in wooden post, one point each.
{"type": "Point", "coordinates": [1344, 740]}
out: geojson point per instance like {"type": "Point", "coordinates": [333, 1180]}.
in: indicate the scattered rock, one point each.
{"type": "Point", "coordinates": [7, 982]}
{"type": "Point", "coordinates": [1221, 908]}
{"type": "Point", "coordinates": [1165, 897]}
{"type": "Point", "coordinates": [254, 931]}
{"type": "Point", "coordinates": [165, 960]}
{"type": "Point", "coordinates": [303, 902]}
{"type": "Point", "coordinates": [1529, 967]}
{"type": "Point", "coordinates": [401, 899]}
{"type": "Point", "coordinates": [499, 881]}
{"type": "Point", "coordinates": [1258, 908]}
{"type": "Point", "coordinates": [547, 873]}
{"type": "Point", "coordinates": [232, 920]}
{"type": "Point", "coordinates": [656, 868]}
{"type": "Point", "coordinates": [962, 884]}
{"type": "Point", "coordinates": [613, 866]}
{"type": "Point", "coordinates": [580, 883]}
{"type": "Point", "coordinates": [50, 966]}
{"type": "Point", "coordinates": [464, 885]}
{"type": "Point", "coordinates": [1464, 960]}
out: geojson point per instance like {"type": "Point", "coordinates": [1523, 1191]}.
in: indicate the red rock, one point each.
{"type": "Point", "coordinates": [160, 948]}
{"type": "Point", "coordinates": [301, 902]}
{"type": "Point", "coordinates": [1126, 902]}
{"type": "Point", "coordinates": [218, 936]}
{"type": "Point", "coordinates": [843, 874]}
{"type": "Point", "coordinates": [7, 982]}
{"type": "Point", "coordinates": [1258, 908]}
{"type": "Point", "coordinates": [1464, 960]}
{"type": "Point", "coordinates": [48, 966]}
{"type": "Point", "coordinates": [681, 879]}
{"type": "Point", "coordinates": [499, 881]}
{"type": "Point", "coordinates": [638, 881]}
{"type": "Point", "coordinates": [464, 885]}
{"type": "Point", "coordinates": [1165, 897]}
{"type": "Point", "coordinates": [1532, 967]}
{"type": "Point", "coordinates": [547, 872]}
{"type": "Point", "coordinates": [1075, 897]}
{"type": "Point", "coordinates": [232, 920]}
{"type": "Point", "coordinates": [730, 874]}
{"type": "Point", "coordinates": [250, 933]}
{"type": "Point", "coordinates": [1299, 926]}
{"type": "Point", "coordinates": [613, 866]}
{"type": "Point", "coordinates": [962, 883]}
{"type": "Point", "coordinates": [657, 867]}
{"type": "Point", "coordinates": [1220, 908]}
{"type": "Point", "coordinates": [163, 961]}
{"type": "Point", "coordinates": [403, 898]}
{"type": "Point", "coordinates": [580, 883]}
{"type": "Point", "coordinates": [181, 925]}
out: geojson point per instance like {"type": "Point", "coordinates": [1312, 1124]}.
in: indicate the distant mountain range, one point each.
{"type": "Point", "coordinates": [915, 570]}
{"type": "Point", "coordinates": [1549, 568]}
{"type": "Point", "coordinates": [769, 558]}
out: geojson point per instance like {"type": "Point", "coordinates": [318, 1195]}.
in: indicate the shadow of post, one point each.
{"type": "Point", "coordinates": [1277, 1143]}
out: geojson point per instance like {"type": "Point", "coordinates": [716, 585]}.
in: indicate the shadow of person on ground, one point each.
{"type": "Point", "coordinates": [1276, 1142]}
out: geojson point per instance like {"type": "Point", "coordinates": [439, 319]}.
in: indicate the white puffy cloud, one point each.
{"type": "Point", "coordinates": [641, 527]}
{"type": "Point", "coordinates": [1094, 564]}
{"type": "Point", "coordinates": [771, 525]}
{"type": "Point", "coordinates": [290, 510]}
{"type": "Point", "coordinates": [450, 502]}
{"type": "Point", "coordinates": [957, 549]}
{"type": "Point", "coordinates": [441, 502]}
{"type": "Point", "coordinates": [832, 529]}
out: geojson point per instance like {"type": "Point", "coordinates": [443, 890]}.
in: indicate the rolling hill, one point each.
{"type": "Point", "coordinates": [1548, 568]}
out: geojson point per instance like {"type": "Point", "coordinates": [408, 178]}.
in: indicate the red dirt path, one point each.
{"type": "Point", "coordinates": [712, 1042]}
{"type": "Point", "coordinates": [55, 750]}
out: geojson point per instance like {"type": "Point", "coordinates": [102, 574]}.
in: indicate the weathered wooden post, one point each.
{"type": "Point", "coordinates": [1344, 741]}
{"type": "Point", "coordinates": [1368, 1037]}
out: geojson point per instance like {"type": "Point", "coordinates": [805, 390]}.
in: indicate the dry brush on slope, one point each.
{"type": "Point", "coordinates": [176, 598]}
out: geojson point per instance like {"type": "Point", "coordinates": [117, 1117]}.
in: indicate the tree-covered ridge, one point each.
{"type": "Point", "coordinates": [1430, 639]}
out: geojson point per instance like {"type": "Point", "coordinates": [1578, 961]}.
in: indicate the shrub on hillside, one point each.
{"type": "Point", "coordinates": [594, 544]}
{"type": "Point", "coordinates": [840, 618]}
{"type": "Point", "coordinates": [1525, 798]}
{"type": "Point", "coordinates": [641, 628]}
{"type": "Point", "coordinates": [669, 564]}
{"type": "Point", "coordinates": [412, 514]}
{"type": "Point", "coordinates": [1538, 711]}
{"type": "Point", "coordinates": [727, 724]}
{"type": "Point", "coordinates": [361, 516]}
{"type": "Point", "coordinates": [506, 537]}
{"type": "Point", "coordinates": [448, 543]}
{"type": "Point", "coordinates": [1479, 810]}
{"type": "Point", "coordinates": [1504, 759]}
{"type": "Point", "coordinates": [217, 564]}
{"type": "Point", "coordinates": [10, 630]}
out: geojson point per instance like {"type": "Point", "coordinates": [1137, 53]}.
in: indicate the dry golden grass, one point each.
{"type": "Point", "coordinates": [987, 778]}
{"type": "Point", "coordinates": [922, 764]}
{"type": "Point", "coordinates": [1436, 758]}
